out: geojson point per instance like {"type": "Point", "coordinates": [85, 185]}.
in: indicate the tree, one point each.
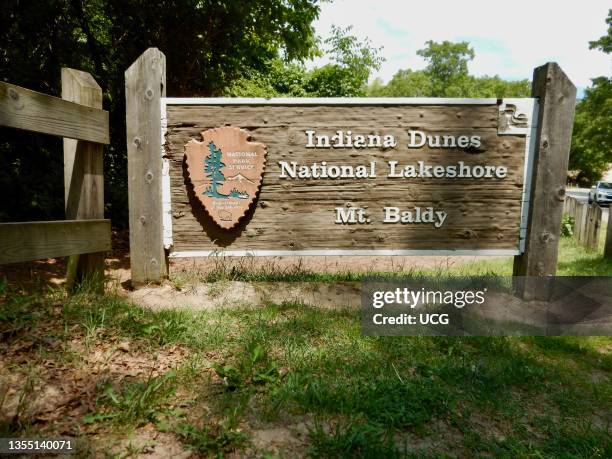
{"type": "Point", "coordinates": [213, 166]}
{"type": "Point", "coordinates": [208, 44]}
{"type": "Point", "coordinates": [405, 83]}
{"type": "Point", "coordinates": [352, 62]}
{"type": "Point", "coordinates": [280, 78]}
{"type": "Point", "coordinates": [447, 65]}
{"type": "Point", "coordinates": [591, 151]}
{"type": "Point", "coordinates": [446, 75]}
{"type": "Point", "coordinates": [604, 43]}
{"type": "Point", "coordinates": [494, 86]}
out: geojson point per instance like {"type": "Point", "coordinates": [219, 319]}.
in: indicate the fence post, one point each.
{"type": "Point", "coordinates": [83, 175]}
{"type": "Point", "coordinates": [581, 221]}
{"type": "Point", "coordinates": [608, 243]}
{"type": "Point", "coordinates": [557, 97]}
{"type": "Point", "coordinates": [145, 85]}
{"type": "Point", "coordinates": [594, 222]}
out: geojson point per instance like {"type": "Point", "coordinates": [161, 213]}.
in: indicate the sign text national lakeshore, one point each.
{"type": "Point", "coordinates": [350, 179]}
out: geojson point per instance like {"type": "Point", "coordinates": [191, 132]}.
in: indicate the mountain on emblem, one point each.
{"type": "Point", "coordinates": [238, 177]}
{"type": "Point", "coordinates": [226, 171]}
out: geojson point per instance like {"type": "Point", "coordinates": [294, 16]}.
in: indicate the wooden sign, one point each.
{"type": "Point", "coordinates": [357, 176]}
{"type": "Point", "coordinates": [346, 176]}
{"type": "Point", "coordinates": [225, 171]}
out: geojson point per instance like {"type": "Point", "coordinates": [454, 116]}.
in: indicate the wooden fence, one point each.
{"type": "Point", "coordinates": [588, 224]}
{"type": "Point", "coordinates": [77, 117]}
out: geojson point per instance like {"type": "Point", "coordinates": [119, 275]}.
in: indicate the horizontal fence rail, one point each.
{"type": "Point", "coordinates": [38, 240]}
{"type": "Point", "coordinates": [78, 118]}
{"type": "Point", "coordinates": [33, 111]}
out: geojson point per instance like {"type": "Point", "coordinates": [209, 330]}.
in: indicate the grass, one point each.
{"type": "Point", "coordinates": [310, 373]}
{"type": "Point", "coordinates": [137, 402]}
{"type": "Point", "coordinates": [574, 260]}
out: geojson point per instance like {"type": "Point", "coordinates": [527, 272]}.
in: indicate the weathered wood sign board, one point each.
{"type": "Point", "coordinates": [346, 176]}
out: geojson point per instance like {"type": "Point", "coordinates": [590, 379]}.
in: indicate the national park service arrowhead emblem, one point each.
{"type": "Point", "coordinates": [226, 171]}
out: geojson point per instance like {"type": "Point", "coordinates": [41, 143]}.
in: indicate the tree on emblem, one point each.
{"type": "Point", "coordinates": [213, 166]}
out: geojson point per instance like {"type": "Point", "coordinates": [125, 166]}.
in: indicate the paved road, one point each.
{"type": "Point", "coordinates": [582, 194]}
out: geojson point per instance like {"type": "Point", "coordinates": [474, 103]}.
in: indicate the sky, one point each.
{"type": "Point", "coordinates": [509, 38]}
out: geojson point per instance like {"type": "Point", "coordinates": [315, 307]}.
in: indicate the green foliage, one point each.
{"type": "Point", "coordinates": [136, 403]}
{"type": "Point", "coordinates": [359, 440]}
{"type": "Point", "coordinates": [216, 439]}
{"type": "Point", "coordinates": [567, 226]}
{"type": "Point", "coordinates": [446, 75]}
{"type": "Point", "coordinates": [405, 83]}
{"type": "Point", "coordinates": [604, 43]}
{"type": "Point", "coordinates": [208, 44]}
{"type": "Point", "coordinates": [280, 78]}
{"type": "Point", "coordinates": [493, 86]}
{"type": "Point", "coordinates": [352, 62]}
{"type": "Point", "coordinates": [254, 368]}
{"type": "Point", "coordinates": [591, 151]}
{"type": "Point", "coordinates": [447, 65]}
{"type": "Point", "coordinates": [166, 327]}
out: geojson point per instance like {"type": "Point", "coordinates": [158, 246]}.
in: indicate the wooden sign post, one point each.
{"type": "Point", "coordinates": [145, 85]}
{"type": "Point", "coordinates": [557, 96]}
{"type": "Point", "coordinates": [355, 176]}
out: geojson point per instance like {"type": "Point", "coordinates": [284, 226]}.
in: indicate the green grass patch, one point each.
{"type": "Point", "coordinates": [135, 402]}
{"type": "Point", "coordinates": [211, 440]}
{"type": "Point", "coordinates": [362, 396]}
{"type": "Point", "coordinates": [280, 365]}
{"type": "Point", "coordinates": [352, 440]}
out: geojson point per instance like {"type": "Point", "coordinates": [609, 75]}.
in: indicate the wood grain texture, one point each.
{"type": "Point", "coordinates": [557, 97]}
{"type": "Point", "coordinates": [21, 108]}
{"type": "Point", "coordinates": [83, 174]}
{"type": "Point", "coordinates": [594, 218]}
{"type": "Point", "coordinates": [145, 84]}
{"type": "Point", "coordinates": [588, 221]}
{"type": "Point", "coordinates": [608, 240]}
{"type": "Point", "coordinates": [299, 214]}
{"type": "Point", "coordinates": [38, 240]}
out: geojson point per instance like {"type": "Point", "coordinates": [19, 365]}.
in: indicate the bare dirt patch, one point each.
{"type": "Point", "coordinates": [147, 442]}
{"type": "Point", "coordinates": [54, 388]}
{"type": "Point", "coordinates": [277, 439]}
{"type": "Point", "coordinates": [203, 296]}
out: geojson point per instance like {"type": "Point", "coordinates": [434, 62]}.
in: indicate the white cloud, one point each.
{"type": "Point", "coordinates": [509, 39]}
